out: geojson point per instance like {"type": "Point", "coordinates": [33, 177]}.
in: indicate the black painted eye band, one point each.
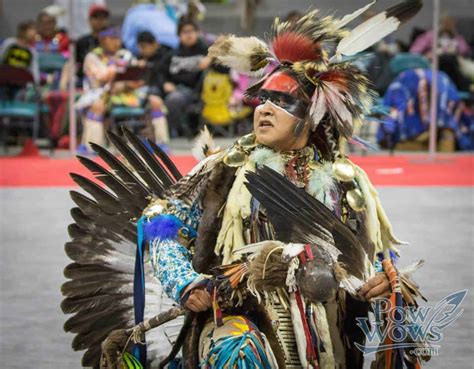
{"type": "Point", "coordinates": [287, 102]}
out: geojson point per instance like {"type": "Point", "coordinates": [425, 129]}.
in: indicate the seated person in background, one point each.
{"type": "Point", "coordinates": [449, 40]}
{"type": "Point", "coordinates": [52, 43]}
{"type": "Point", "coordinates": [99, 17]}
{"type": "Point", "coordinates": [152, 54]}
{"type": "Point", "coordinates": [18, 51]}
{"type": "Point", "coordinates": [183, 70]}
{"type": "Point", "coordinates": [49, 39]}
{"type": "Point", "coordinates": [407, 125]}
{"type": "Point", "coordinates": [100, 68]}
{"type": "Point", "coordinates": [451, 45]}
{"type": "Point", "coordinates": [147, 15]}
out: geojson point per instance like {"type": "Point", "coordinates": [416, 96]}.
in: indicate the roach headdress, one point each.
{"type": "Point", "coordinates": [314, 61]}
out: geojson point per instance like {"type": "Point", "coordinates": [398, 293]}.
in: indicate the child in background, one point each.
{"type": "Point", "coordinates": [152, 54]}
{"type": "Point", "coordinates": [18, 51]}
{"type": "Point", "coordinates": [49, 38]}
{"type": "Point", "coordinates": [100, 68]}
{"type": "Point", "coordinates": [183, 69]}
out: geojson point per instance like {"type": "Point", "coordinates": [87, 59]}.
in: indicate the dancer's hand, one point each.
{"type": "Point", "coordinates": [198, 300]}
{"type": "Point", "coordinates": [376, 287]}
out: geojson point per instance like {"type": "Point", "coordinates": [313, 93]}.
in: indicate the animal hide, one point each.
{"type": "Point", "coordinates": [218, 187]}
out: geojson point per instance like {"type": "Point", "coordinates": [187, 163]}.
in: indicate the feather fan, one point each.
{"type": "Point", "coordinates": [99, 290]}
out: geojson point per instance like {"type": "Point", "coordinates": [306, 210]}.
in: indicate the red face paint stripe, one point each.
{"type": "Point", "coordinates": [281, 82]}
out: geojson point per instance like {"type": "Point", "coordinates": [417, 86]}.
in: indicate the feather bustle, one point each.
{"type": "Point", "coordinates": [138, 163]}
{"type": "Point", "coordinates": [99, 291]}
{"type": "Point", "coordinates": [150, 160]}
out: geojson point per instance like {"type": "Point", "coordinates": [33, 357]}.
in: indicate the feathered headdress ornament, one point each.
{"type": "Point", "coordinates": [311, 51]}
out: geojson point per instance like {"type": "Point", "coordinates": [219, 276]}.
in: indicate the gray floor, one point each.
{"type": "Point", "coordinates": [437, 222]}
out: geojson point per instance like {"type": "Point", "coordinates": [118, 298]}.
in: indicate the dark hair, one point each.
{"type": "Point", "coordinates": [185, 21]}
{"type": "Point", "coordinates": [24, 26]}
{"type": "Point", "coordinates": [43, 14]}
{"type": "Point", "coordinates": [146, 37]}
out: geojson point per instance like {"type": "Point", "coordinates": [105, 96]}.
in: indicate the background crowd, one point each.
{"type": "Point", "coordinates": [152, 74]}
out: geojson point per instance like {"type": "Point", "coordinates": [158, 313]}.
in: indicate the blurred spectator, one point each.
{"type": "Point", "coordinates": [407, 125]}
{"type": "Point", "coordinates": [49, 38]}
{"type": "Point", "coordinates": [52, 45]}
{"type": "Point", "coordinates": [100, 68]}
{"type": "Point", "coordinates": [80, 24]}
{"type": "Point", "coordinates": [451, 45]}
{"type": "Point", "coordinates": [195, 10]}
{"type": "Point", "coordinates": [449, 40]}
{"type": "Point", "coordinates": [152, 54]}
{"type": "Point", "coordinates": [99, 18]}
{"type": "Point", "coordinates": [183, 71]}
{"type": "Point", "coordinates": [415, 33]}
{"type": "Point", "coordinates": [216, 95]}
{"type": "Point", "coordinates": [450, 64]}
{"type": "Point", "coordinates": [146, 16]}
{"type": "Point", "coordinates": [222, 97]}
{"type": "Point", "coordinates": [465, 138]}
{"type": "Point", "coordinates": [18, 51]}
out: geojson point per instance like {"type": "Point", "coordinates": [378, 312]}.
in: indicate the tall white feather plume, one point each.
{"type": "Point", "coordinates": [367, 34]}
{"type": "Point", "coordinates": [377, 27]}
{"type": "Point", "coordinates": [350, 17]}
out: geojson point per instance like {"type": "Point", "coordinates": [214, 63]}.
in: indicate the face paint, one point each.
{"type": "Point", "coordinates": [290, 104]}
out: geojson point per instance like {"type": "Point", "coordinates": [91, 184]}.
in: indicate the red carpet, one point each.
{"type": "Point", "coordinates": [400, 170]}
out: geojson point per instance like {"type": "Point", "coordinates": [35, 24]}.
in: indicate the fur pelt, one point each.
{"type": "Point", "coordinates": [191, 341]}
{"type": "Point", "coordinates": [267, 271]}
{"type": "Point", "coordinates": [218, 187]}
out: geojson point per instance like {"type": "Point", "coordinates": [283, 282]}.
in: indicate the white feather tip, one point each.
{"type": "Point", "coordinates": [204, 145]}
